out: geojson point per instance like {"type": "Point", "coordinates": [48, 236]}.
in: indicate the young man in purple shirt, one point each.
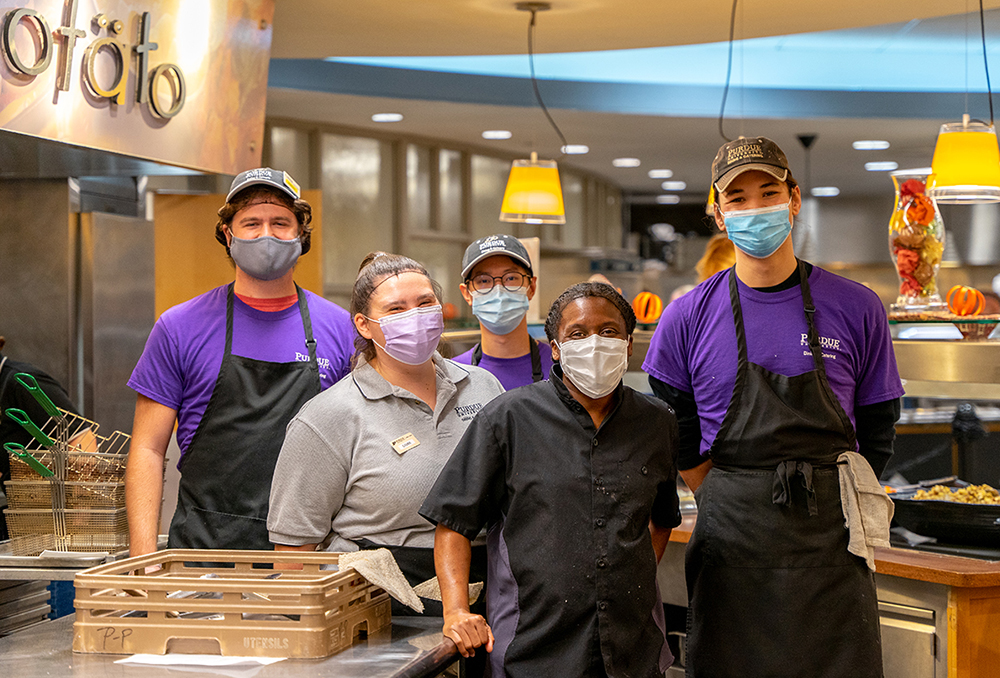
{"type": "Point", "coordinates": [498, 286]}
{"type": "Point", "coordinates": [775, 368]}
{"type": "Point", "coordinates": [231, 367]}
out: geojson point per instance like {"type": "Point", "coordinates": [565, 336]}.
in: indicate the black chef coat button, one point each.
{"type": "Point", "coordinates": [595, 442]}
{"type": "Point", "coordinates": [599, 522]}
{"type": "Point", "coordinates": [601, 562]}
{"type": "Point", "coordinates": [603, 605]}
{"type": "Point", "coordinates": [643, 471]}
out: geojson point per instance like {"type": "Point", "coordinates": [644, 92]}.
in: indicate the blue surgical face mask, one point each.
{"type": "Point", "coordinates": [500, 310]}
{"type": "Point", "coordinates": [759, 232]}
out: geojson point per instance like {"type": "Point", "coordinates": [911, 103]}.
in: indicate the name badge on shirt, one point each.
{"type": "Point", "coordinates": [404, 443]}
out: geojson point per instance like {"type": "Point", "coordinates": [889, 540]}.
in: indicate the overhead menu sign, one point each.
{"type": "Point", "coordinates": [177, 81]}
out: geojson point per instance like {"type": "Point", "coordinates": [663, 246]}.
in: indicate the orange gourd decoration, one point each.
{"type": "Point", "coordinates": [449, 311]}
{"type": "Point", "coordinates": [965, 301]}
{"type": "Point", "coordinates": [647, 307]}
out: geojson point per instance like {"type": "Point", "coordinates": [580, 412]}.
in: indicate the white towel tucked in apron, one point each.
{"type": "Point", "coordinates": [867, 508]}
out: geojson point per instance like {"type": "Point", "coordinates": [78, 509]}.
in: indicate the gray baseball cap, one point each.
{"type": "Point", "coordinates": [491, 246]}
{"type": "Point", "coordinates": [745, 154]}
{"type": "Point", "coordinates": [267, 177]}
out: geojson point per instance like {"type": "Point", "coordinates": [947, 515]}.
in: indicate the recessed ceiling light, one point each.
{"type": "Point", "coordinates": [626, 162]}
{"type": "Point", "coordinates": [870, 145]}
{"type": "Point", "coordinates": [825, 191]}
{"type": "Point", "coordinates": [881, 166]}
{"type": "Point", "coordinates": [387, 117]}
{"type": "Point", "coordinates": [673, 185]}
{"type": "Point", "coordinates": [660, 174]}
{"type": "Point", "coordinates": [668, 199]}
{"type": "Point", "coordinates": [575, 149]}
{"type": "Point", "coordinates": [497, 134]}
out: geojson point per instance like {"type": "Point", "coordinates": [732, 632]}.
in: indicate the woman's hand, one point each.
{"type": "Point", "coordinates": [469, 631]}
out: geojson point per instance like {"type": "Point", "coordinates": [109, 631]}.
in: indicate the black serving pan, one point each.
{"type": "Point", "coordinates": [949, 521]}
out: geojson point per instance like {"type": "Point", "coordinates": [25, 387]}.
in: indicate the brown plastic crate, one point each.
{"type": "Point", "coordinates": [79, 495]}
{"type": "Point", "coordinates": [307, 613]}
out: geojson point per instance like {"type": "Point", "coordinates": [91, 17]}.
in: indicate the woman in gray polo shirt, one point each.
{"type": "Point", "coordinates": [359, 459]}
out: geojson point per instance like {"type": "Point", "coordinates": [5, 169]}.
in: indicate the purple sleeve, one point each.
{"type": "Point", "coordinates": [157, 375]}
{"type": "Point", "coordinates": [666, 358]}
{"type": "Point", "coordinates": [878, 378]}
{"type": "Point", "coordinates": [464, 358]}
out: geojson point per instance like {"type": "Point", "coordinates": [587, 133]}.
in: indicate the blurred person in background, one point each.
{"type": "Point", "coordinates": [719, 255]}
{"type": "Point", "coordinates": [230, 368]}
{"type": "Point", "coordinates": [14, 396]}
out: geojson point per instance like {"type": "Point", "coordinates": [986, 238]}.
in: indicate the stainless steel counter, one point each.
{"type": "Point", "coordinates": [44, 651]}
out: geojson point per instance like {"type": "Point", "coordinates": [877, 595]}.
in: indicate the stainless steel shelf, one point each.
{"type": "Point", "coordinates": [949, 369]}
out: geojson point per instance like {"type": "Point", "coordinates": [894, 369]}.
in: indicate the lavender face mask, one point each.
{"type": "Point", "coordinates": [412, 337]}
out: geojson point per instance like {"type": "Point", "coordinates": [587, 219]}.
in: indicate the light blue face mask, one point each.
{"type": "Point", "coordinates": [500, 310]}
{"type": "Point", "coordinates": [759, 232]}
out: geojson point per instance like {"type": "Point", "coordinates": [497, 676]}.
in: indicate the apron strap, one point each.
{"type": "Point", "coordinates": [307, 325]}
{"type": "Point", "coordinates": [536, 358]}
{"type": "Point", "coordinates": [303, 313]}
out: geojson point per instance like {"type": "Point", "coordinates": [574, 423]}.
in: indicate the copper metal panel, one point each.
{"type": "Point", "coordinates": [222, 48]}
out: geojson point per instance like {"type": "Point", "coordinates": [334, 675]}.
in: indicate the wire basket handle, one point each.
{"type": "Point", "coordinates": [21, 417]}
{"type": "Point", "coordinates": [18, 451]}
{"type": "Point", "coordinates": [29, 383]}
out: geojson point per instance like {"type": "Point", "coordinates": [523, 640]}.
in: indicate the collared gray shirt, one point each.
{"type": "Point", "coordinates": [359, 458]}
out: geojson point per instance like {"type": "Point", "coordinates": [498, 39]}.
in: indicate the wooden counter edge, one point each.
{"type": "Point", "coordinates": [935, 568]}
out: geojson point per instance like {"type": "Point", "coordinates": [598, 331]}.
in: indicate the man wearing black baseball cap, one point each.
{"type": "Point", "coordinates": [786, 392]}
{"type": "Point", "coordinates": [231, 367]}
{"type": "Point", "coordinates": [498, 284]}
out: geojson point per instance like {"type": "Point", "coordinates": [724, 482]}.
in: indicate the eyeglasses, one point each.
{"type": "Point", "coordinates": [512, 282]}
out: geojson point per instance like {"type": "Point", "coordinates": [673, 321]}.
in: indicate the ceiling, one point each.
{"type": "Point", "coordinates": [671, 123]}
{"type": "Point", "coordinates": [315, 29]}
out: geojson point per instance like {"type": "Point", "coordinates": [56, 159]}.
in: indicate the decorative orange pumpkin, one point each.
{"type": "Point", "coordinates": [964, 300]}
{"type": "Point", "coordinates": [647, 307]}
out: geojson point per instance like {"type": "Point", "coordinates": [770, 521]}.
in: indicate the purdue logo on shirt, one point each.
{"type": "Point", "coordinates": [467, 412]}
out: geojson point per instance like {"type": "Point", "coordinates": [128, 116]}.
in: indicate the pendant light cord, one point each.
{"type": "Point", "coordinates": [729, 70]}
{"type": "Point", "coordinates": [986, 63]}
{"type": "Point", "coordinates": [534, 82]}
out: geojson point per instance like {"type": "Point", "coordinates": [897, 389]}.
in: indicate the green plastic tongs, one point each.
{"type": "Point", "coordinates": [18, 451]}
{"type": "Point", "coordinates": [21, 417]}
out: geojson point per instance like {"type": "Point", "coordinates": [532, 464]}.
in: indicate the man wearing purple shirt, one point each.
{"type": "Point", "coordinates": [498, 286]}
{"type": "Point", "coordinates": [775, 369]}
{"type": "Point", "coordinates": [231, 367]}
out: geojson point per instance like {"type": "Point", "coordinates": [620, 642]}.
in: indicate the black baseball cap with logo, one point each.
{"type": "Point", "coordinates": [745, 154]}
{"type": "Point", "coordinates": [267, 177]}
{"type": "Point", "coordinates": [492, 245]}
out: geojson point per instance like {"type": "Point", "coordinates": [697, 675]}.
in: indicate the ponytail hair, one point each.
{"type": "Point", "coordinates": [376, 268]}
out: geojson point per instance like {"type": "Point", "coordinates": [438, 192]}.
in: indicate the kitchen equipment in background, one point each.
{"type": "Point", "coordinates": [68, 493]}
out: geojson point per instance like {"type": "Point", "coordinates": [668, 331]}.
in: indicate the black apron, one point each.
{"type": "Point", "coordinates": [772, 588]}
{"type": "Point", "coordinates": [536, 359]}
{"type": "Point", "coordinates": [226, 472]}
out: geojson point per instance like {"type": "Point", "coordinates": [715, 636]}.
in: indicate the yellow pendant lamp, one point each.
{"type": "Point", "coordinates": [534, 193]}
{"type": "Point", "coordinates": [966, 165]}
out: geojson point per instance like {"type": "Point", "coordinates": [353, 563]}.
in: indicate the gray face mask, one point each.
{"type": "Point", "coordinates": [266, 257]}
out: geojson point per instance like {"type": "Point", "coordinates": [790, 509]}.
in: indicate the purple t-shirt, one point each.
{"type": "Point", "coordinates": [694, 346]}
{"type": "Point", "coordinates": [512, 372]}
{"type": "Point", "coordinates": [180, 363]}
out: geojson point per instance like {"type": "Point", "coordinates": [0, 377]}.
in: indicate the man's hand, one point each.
{"type": "Point", "coordinates": [469, 631]}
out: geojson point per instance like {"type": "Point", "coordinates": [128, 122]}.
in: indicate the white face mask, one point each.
{"type": "Point", "coordinates": [594, 364]}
